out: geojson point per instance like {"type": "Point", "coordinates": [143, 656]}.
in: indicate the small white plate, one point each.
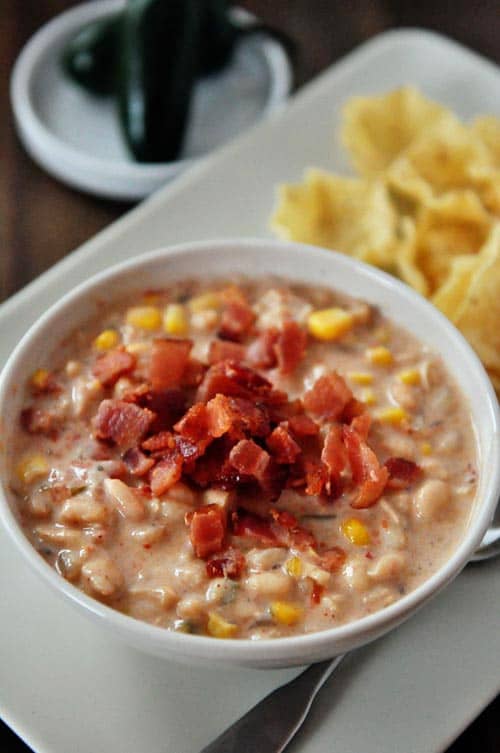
{"type": "Point", "coordinates": [76, 136]}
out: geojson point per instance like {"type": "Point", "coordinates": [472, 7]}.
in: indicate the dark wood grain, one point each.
{"type": "Point", "coordinates": [42, 220]}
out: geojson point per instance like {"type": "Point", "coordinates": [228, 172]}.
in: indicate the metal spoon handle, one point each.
{"type": "Point", "coordinates": [270, 725]}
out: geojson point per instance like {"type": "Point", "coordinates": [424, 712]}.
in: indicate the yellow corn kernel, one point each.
{"type": "Point", "coordinates": [392, 415]}
{"type": "Point", "coordinates": [329, 324]}
{"type": "Point", "coordinates": [32, 467]}
{"type": "Point", "coordinates": [293, 566]}
{"type": "Point", "coordinates": [368, 396]}
{"type": "Point", "coordinates": [360, 377]}
{"type": "Point", "coordinates": [106, 340]}
{"type": "Point", "coordinates": [356, 531]}
{"type": "Point", "coordinates": [426, 448]}
{"type": "Point", "coordinates": [175, 321]}
{"type": "Point", "coordinates": [39, 378]}
{"type": "Point", "coordinates": [204, 302]}
{"type": "Point", "coordinates": [144, 317]}
{"type": "Point", "coordinates": [218, 627]}
{"type": "Point", "coordinates": [285, 613]}
{"type": "Point", "coordinates": [410, 376]}
{"type": "Point", "coordinates": [379, 356]}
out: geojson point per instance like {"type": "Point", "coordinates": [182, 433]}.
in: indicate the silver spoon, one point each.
{"type": "Point", "coordinates": [272, 723]}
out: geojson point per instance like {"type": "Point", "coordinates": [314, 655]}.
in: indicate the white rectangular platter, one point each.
{"type": "Point", "coordinates": [67, 687]}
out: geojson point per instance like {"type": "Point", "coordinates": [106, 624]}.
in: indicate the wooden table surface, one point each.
{"type": "Point", "coordinates": [42, 220]}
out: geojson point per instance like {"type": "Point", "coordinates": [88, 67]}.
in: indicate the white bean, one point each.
{"type": "Point", "coordinates": [431, 499]}
{"type": "Point", "coordinates": [220, 591]}
{"type": "Point", "coordinates": [83, 510]}
{"type": "Point", "coordinates": [269, 584]}
{"type": "Point", "coordinates": [58, 534]}
{"type": "Point", "coordinates": [180, 492]}
{"type": "Point", "coordinates": [388, 566]}
{"type": "Point", "coordinates": [127, 500]}
{"type": "Point", "coordinates": [191, 608]}
{"type": "Point", "coordinates": [148, 534]}
{"type": "Point", "coordinates": [102, 576]}
{"type": "Point", "coordinates": [354, 574]}
{"type": "Point", "coordinates": [265, 559]}
{"type": "Point", "coordinates": [161, 595]}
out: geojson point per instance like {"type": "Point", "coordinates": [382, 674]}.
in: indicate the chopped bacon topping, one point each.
{"type": "Point", "coordinates": [303, 426]}
{"type": "Point", "coordinates": [194, 424]}
{"type": "Point", "coordinates": [328, 397]}
{"type": "Point", "coordinates": [361, 425]}
{"type": "Point", "coordinates": [290, 347]}
{"type": "Point", "coordinates": [234, 380]}
{"type": "Point", "coordinates": [38, 421]}
{"type": "Point", "coordinates": [316, 592]}
{"type": "Point", "coordinates": [166, 473]}
{"type": "Point", "coordinates": [250, 459]}
{"type": "Point", "coordinates": [44, 384]}
{"type": "Point", "coordinates": [124, 423]}
{"type": "Point", "coordinates": [137, 462]}
{"type": "Point", "coordinates": [207, 529]}
{"type": "Point", "coordinates": [367, 473]}
{"type": "Point", "coordinates": [237, 319]}
{"type": "Point", "coordinates": [283, 446]}
{"type": "Point", "coordinates": [229, 564]}
{"type": "Point", "coordinates": [169, 359]}
{"type": "Point", "coordinates": [334, 454]}
{"type": "Point", "coordinates": [164, 440]}
{"type": "Point", "coordinates": [333, 559]}
{"type": "Point", "coordinates": [402, 473]}
{"type": "Point", "coordinates": [248, 524]}
{"type": "Point", "coordinates": [193, 373]}
{"type": "Point", "coordinates": [224, 350]}
{"type": "Point", "coordinates": [261, 352]}
{"type": "Point", "coordinates": [110, 366]}
{"type": "Point", "coordinates": [289, 533]}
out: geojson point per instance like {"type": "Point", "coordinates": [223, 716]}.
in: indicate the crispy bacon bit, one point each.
{"type": "Point", "coordinates": [164, 440]}
{"type": "Point", "coordinates": [361, 425]}
{"type": "Point", "coordinates": [316, 592]}
{"type": "Point", "coordinates": [230, 564]}
{"type": "Point", "coordinates": [169, 359]}
{"type": "Point", "coordinates": [234, 380]}
{"type": "Point", "coordinates": [44, 384]}
{"type": "Point", "coordinates": [288, 532]}
{"type": "Point", "coordinates": [328, 397]}
{"type": "Point", "coordinates": [290, 347]}
{"type": "Point", "coordinates": [124, 423]}
{"type": "Point", "coordinates": [166, 473]}
{"type": "Point", "coordinates": [402, 473]}
{"type": "Point", "coordinates": [250, 459]}
{"type": "Point", "coordinates": [316, 477]}
{"type": "Point", "coordinates": [207, 529]}
{"type": "Point", "coordinates": [261, 352]}
{"type": "Point", "coordinates": [137, 462]}
{"type": "Point", "coordinates": [110, 366]}
{"type": "Point", "coordinates": [333, 559]}
{"type": "Point", "coordinates": [236, 320]}
{"type": "Point", "coordinates": [194, 424]}
{"type": "Point", "coordinates": [366, 470]}
{"type": "Point", "coordinates": [37, 421]}
{"type": "Point", "coordinates": [193, 373]}
{"type": "Point", "coordinates": [334, 454]}
{"type": "Point", "coordinates": [303, 426]}
{"type": "Point", "coordinates": [223, 350]}
{"type": "Point", "coordinates": [352, 410]}
{"type": "Point", "coordinates": [248, 524]}
{"type": "Point", "coordinates": [283, 446]}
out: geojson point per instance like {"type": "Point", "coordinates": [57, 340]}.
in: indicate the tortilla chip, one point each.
{"type": "Point", "coordinates": [377, 129]}
{"type": "Point", "coordinates": [349, 215]}
{"type": "Point", "coordinates": [450, 297]}
{"type": "Point", "coordinates": [487, 129]}
{"type": "Point", "coordinates": [404, 253]}
{"type": "Point", "coordinates": [453, 225]}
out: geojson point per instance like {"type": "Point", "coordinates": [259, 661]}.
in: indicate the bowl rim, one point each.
{"type": "Point", "coordinates": [283, 648]}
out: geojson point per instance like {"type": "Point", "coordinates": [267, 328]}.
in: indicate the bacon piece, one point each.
{"type": "Point", "coordinates": [164, 440]}
{"type": "Point", "coordinates": [282, 445]}
{"type": "Point", "coordinates": [334, 454]}
{"type": "Point", "coordinates": [44, 384]}
{"type": "Point", "coordinates": [234, 380]}
{"type": "Point", "coordinates": [333, 559]}
{"type": "Point", "coordinates": [207, 529]}
{"type": "Point", "coordinates": [194, 424]}
{"type": "Point", "coordinates": [261, 352]}
{"type": "Point", "coordinates": [361, 425]}
{"type": "Point", "coordinates": [352, 410]}
{"type": "Point", "coordinates": [236, 320]}
{"type": "Point", "coordinates": [366, 470]}
{"type": "Point", "coordinates": [37, 421]}
{"type": "Point", "coordinates": [223, 350]}
{"type": "Point", "coordinates": [169, 359]}
{"type": "Point", "coordinates": [124, 423]}
{"type": "Point", "coordinates": [303, 426]}
{"type": "Point", "coordinates": [253, 526]}
{"type": "Point", "coordinates": [290, 347]}
{"type": "Point", "coordinates": [328, 397]}
{"type": "Point", "coordinates": [402, 473]}
{"type": "Point", "coordinates": [229, 564]}
{"type": "Point", "coordinates": [316, 477]}
{"type": "Point", "coordinates": [316, 592]}
{"type": "Point", "coordinates": [166, 473]}
{"type": "Point", "coordinates": [288, 532]}
{"type": "Point", "coordinates": [110, 366]}
{"type": "Point", "coordinates": [193, 373]}
{"type": "Point", "coordinates": [250, 459]}
{"type": "Point", "coordinates": [137, 462]}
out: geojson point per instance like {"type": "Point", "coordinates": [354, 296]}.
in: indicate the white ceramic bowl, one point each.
{"type": "Point", "coordinates": [300, 263]}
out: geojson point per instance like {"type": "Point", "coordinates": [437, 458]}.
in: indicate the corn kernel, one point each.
{"type": "Point", "coordinates": [329, 324]}
{"type": "Point", "coordinates": [368, 396]}
{"type": "Point", "coordinates": [356, 531]}
{"type": "Point", "coordinates": [40, 378]}
{"type": "Point", "coordinates": [379, 356]}
{"type": "Point", "coordinates": [392, 415]}
{"type": "Point", "coordinates": [360, 377]}
{"type": "Point", "coordinates": [410, 376]}
{"type": "Point", "coordinates": [144, 317]}
{"type": "Point", "coordinates": [106, 340]}
{"type": "Point", "coordinates": [293, 566]}
{"type": "Point", "coordinates": [204, 302]}
{"type": "Point", "coordinates": [32, 467]}
{"type": "Point", "coordinates": [285, 613]}
{"type": "Point", "coordinates": [426, 448]}
{"type": "Point", "coordinates": [218, 627]}
{"type": "Point", "coordinates": [175, 320]}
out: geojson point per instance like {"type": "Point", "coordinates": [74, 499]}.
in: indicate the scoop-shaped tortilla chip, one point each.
{"type": "Point", "coordinates": [487, 129]}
